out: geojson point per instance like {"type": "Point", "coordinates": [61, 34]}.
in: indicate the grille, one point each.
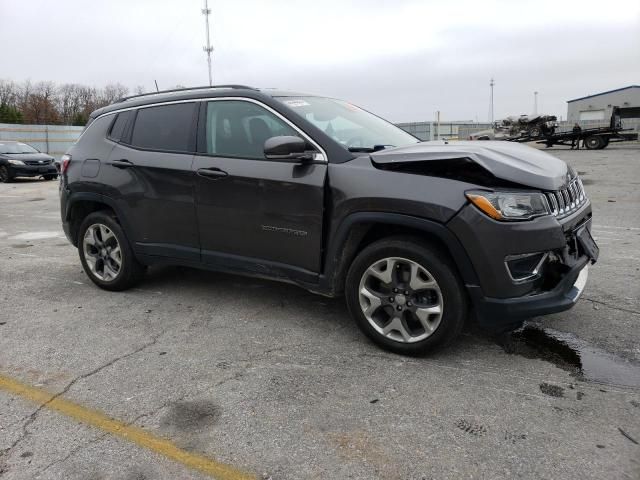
{"type": "Point", "coordinates": [37, 162]}
{"type": "Point", "coordinates": [567, 200]}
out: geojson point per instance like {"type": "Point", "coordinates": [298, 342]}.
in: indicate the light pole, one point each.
{"type": "Point", "coordinates": [535, 103]}
{"type": "Point", "coordinates": [208, 48]}
{"type": "Point", "coordinates": [491, 84]}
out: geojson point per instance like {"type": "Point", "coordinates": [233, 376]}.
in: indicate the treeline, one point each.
{"type": "Point", "coordinates": [52, 104]}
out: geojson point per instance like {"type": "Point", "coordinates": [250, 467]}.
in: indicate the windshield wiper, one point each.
{"type": "Point", "coordinates": [375, 148]}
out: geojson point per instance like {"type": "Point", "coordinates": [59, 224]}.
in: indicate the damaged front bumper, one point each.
{"type": "Point", "coordinates": [500, 314]}
{"type": "Point", "coordinates": [556, 281]}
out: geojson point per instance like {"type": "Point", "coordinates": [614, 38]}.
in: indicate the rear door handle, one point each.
{"type": "Point", "coordinates": [212, 172]}
{"type": "Point", "coordinates": [124, 163]}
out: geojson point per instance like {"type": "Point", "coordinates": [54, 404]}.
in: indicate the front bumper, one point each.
{"type": "Point", "coordinates": [33, 170]}
{"type": "Point", "coordinates": [503, 314]}
{"type": "Point", "coordinates": [502, 303]}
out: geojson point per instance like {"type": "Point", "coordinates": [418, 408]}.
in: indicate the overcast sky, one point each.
{"type": "Point", "coordinates": [401, 59]}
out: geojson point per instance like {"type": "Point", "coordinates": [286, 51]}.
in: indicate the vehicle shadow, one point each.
{"type": "Point", "coordinates": [294, 304]}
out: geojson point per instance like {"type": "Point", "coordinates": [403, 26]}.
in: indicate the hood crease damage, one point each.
{"type": "Point", "coordinates": [495, 164]}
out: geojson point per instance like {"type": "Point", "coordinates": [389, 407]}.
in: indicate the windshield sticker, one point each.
{"type": "Point", "coordinates": [296, 103]}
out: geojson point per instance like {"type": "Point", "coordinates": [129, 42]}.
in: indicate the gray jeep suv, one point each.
{"type": "Point", "coordinates": [321, 193]}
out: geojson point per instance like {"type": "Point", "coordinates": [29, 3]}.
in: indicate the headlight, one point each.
{"type": "Point", "coordinates": [510, 205]}
{"type": "Point", "coordinates": [16, 162]}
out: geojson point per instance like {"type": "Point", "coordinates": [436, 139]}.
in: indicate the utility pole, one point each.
{"type": "Point", "coordinates": [491, 84]}
{"type": "Point", "coordinates": [438, 124]}
{"type": "Point", "coordinates": [206, 11]}
{"type": "Point", "coordinates": [535, 103]}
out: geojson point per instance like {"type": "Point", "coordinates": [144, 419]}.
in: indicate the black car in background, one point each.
{"type": "Point", "coordinates": [19, 159]}
{"type": "Point", "coordinates": [321, 193]}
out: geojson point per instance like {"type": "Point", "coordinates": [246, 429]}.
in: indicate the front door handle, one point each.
{"type": "Point", "coordinates": [124, 163]}
{"type": "Point", "coordinates": [212, 172]}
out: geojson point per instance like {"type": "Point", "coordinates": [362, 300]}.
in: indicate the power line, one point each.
{"type": "Point", "coordinates": [206, 11]}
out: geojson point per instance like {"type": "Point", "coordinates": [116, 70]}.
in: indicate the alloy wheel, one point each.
{"type": "Point", "coordinates": [400, 299]}
{"type": "Point", "coordinates": [102, 252]}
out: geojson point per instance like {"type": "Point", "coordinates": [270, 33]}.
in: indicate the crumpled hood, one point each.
{"type": "Point", "coordinates": [505, 160]}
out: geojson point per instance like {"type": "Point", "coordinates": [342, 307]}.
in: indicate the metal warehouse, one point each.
{"type": "Point", "coordinates": [598, 107]}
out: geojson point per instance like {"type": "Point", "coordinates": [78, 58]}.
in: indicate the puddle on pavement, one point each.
{"type": "Point", "coordinates": [570, 353]}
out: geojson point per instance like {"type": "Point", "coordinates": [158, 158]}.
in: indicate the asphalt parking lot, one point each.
{"type": "Point", "coordinates": [197, 373]}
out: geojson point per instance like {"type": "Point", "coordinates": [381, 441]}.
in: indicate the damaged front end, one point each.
{"type": "Point", "coordinates": [526, 227]}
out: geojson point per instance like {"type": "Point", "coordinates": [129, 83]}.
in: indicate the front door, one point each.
{"type": "Point", "coordinates": [251, 209]}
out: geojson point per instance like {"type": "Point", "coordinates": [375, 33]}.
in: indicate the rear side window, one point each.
{"type": "Point", "coordinates": [167, 128]}
{"type": "Point", "coordinates": [119, 125]}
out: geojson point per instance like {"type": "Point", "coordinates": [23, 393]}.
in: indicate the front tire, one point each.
{"type": "Point", "coordinates": [5, 174]}
{"type": "Point", "coordinates": [406, 296]}
{"type": "Point", "coordinates": [105, 253]}
{"type": "Point", "coordinates": [50, 177]}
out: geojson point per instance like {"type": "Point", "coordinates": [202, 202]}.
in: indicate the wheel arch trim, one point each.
{"type": "Point", "coordinates": [78, 197]}
{"type": "Point", "coordinates": [336, 264]}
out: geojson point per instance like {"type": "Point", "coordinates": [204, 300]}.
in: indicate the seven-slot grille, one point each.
{"type": "Point", "coordinates": [568, 199]}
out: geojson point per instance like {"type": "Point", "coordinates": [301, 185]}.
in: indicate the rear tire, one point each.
{"type": "Point", "coordinates": [105, 253]}
{"type": "Point", "coordinates": [594, 142]}
{"type": "Point", "coordinates": [406, 296]}
{"type": "Point", "coordinates": [5, 174]}
{"type": "Point", "coordinates": [50, 177]}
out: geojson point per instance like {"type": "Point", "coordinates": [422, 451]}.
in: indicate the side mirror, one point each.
{"type": "Point", "coordinates": [287, 148]}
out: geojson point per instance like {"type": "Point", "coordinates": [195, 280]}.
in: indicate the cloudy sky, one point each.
{"type": "Point", "coordinates": [401, 59]}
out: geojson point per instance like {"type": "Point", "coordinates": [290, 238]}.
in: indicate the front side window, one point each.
{"type": "Point", "coordinates": [237, 128]}
{"type": "Point", "coordinates": [166, 127]}
{"type": "Point", "coordinates": [353, 128]}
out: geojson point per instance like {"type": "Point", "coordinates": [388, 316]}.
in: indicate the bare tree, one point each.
{"type": "Point", "coordinates": [8, 93]}
{"type": "Point", "coordinates": [112, 93]}
{"type": "Point", "coordinates": [40, 107]}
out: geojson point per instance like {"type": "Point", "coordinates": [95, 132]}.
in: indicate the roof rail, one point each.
{"type": "Point", "coordinates": [186, 89]}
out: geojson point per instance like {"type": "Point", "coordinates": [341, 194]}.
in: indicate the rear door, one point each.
{"type": "Point", "coordinates": [255, 209]}
{"type": "Point", "coordinates": [149, 176]}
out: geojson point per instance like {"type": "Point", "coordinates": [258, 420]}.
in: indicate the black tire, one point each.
{"type": "Point", "coordinates": [130, 272]}
{"type": "Point", "coordinates": [594, 142]}
{"type": "Point", "coordinates": [439, 266]}
{"type": "Point", "coordinates": [50, 177]}
{"type": "Point", "coordinates": [605, 143]}
{"type": "Point", "coordinates": [535, 132]}
{"type": "Point", "coordinates": [5, 174]}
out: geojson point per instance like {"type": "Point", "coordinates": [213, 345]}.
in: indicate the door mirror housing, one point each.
{"type": "Point", "coordinates": [287, 148]}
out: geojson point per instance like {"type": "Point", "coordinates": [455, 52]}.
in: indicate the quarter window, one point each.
{"type": "Point", "coordinates": [119, 125]}
{"type": "Point", "coordinates": [237, 128]}
{"type": "Point", "coordinates": [166, 127]}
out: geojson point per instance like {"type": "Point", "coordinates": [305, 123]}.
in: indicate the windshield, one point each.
{"type": "Point", "coordinates": [16, 147]}
{"type": "Point", "coordinates": [352, 127]}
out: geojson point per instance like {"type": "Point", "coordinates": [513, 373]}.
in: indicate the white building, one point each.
{"type": "Point", "coordinates": [598, 107]}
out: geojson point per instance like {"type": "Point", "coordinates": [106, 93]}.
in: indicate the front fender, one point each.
{"type": "Point", "coordinates": [340, 253]}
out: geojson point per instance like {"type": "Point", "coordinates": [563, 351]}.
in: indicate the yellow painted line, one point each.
{"type": "Point", "coordinates": [130, 433]}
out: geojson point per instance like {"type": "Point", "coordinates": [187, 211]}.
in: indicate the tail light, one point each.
{"type": "Point", "coordinates": [64, 163]}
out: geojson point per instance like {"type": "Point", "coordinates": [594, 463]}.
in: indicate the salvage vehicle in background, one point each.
{"type": "Point", "coordinates": [542, 130]}
{"type": "Point", "coordinates": [321, 193]}
{"type": "Point", "coordinates": [19, 159]}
